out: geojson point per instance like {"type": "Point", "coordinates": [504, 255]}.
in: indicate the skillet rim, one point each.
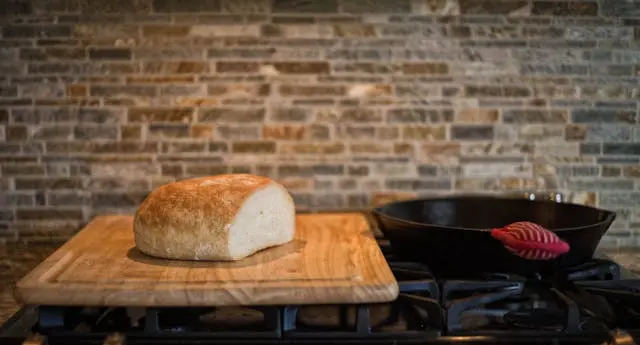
{"type": "Point", "coordinates": [378, 210]}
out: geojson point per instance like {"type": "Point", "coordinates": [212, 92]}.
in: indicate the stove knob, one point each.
{"type": "Point", "coordinates": [114, 339]}
{"type": "Point", "coordinates": [35, 339]}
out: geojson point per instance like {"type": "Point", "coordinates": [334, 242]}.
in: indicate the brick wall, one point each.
{"type": "Point", "coordinates": [348, 102]}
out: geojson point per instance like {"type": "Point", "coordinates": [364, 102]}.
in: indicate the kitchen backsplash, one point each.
{"type": "Point", "coordinates": [349, 103]}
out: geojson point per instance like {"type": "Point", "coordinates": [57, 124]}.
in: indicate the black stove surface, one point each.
{"type": "Point", "coordinates": [590, 304]}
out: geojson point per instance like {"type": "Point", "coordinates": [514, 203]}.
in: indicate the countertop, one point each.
{"type": "Point", "coordinates": [16, 260]}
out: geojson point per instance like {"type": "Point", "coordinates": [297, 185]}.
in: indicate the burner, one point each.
{"type": "Point", "coordinates": [534, 318]}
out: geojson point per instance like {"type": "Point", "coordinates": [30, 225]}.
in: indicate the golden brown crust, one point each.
{"type": "Point", "coordinates": [176, 213]}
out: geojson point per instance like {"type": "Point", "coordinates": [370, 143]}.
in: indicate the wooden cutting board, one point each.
{"type": "Point", "coordinates": [333, 258]}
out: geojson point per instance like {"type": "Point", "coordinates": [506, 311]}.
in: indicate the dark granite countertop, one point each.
{"type": "Point", "coordinates": [16, 260]}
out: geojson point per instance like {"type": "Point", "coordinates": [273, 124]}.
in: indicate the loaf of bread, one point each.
{"type": "Point", "coordinates": [222, 218]}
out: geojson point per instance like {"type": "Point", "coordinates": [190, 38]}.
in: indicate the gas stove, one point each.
{"type": "Point", "coordinates": [590, 304]}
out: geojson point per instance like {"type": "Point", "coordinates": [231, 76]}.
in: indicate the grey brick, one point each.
{"type": "Point", "coordinates": [592, 185]}
{"type": "Point", "coordinates": [590, 148]}
{"type": "Point", "coordinates": [67, 198]}
{"type": "Point", "coordinates": [167, 130]}
{"type": "Point", "coordinates": [422, 184]}
{"type": "Point", "coordinates": [8, 91]}
{"type": "Point", "coordinates": [617, 160]}
{"type": "Point", "coordinates": [42, 90]}
{"type": "Point", "coordinates": [471, 132]}
{"type": "Point", "coordinates": [169, 53]}
{"type": "Point", "coordinates": [630, 105]}
{"type": "Point", "coordinates": [619, 8]}
{"type": "Point", "coordinates": [534, 116]}
{"type": "Point", "coordinates": [197, 6]}
{"type": "Point", "coordinates": [290, 114]}
{"type": "Point", "coordinates": [327, 201]}
{"type": "Point", "coordinates": [609, 133]}
{"type": "Point", "coordinates": [238, 132]}
{"type": "Point", "coordinates": [242, 53]}
{"type": "Point", "coordinates": [599, 33]}
{"type": "Point", "coordinates": [377, 6]}
{"type": "Point", "coordinates": [35, 31]}
{"type": "Point", "coordinates": [288, 170]}
{"type": "Point", "coordinates": [602, 115]}
{"type": "Point", "coordinates": [296, 6]}
{"type": "Point", "coordinates": [328, 169]}
{"type": "Point", "coordinates": [85, 132]}
{"type": "Point", "coordinates": [110, 54]}
{"type": "Point", "coordinates": [582, 171]}
{"type": "Point", "coordinates": [419, 115]}
{"type": "Point", "coordinates": [102, 200]}
{"type": "Point", "coordinates": [620, 199]}
{"type": "Point", "coordinates": [17, 198]}
{"type": "Point", "coordinates": [182, 90]}
{"type": "Point", "coordinates": [574, 69]}
{"type": "Point", "coordinates": [621, 149]}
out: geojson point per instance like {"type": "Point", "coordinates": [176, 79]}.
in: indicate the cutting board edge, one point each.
{"type": "Point", "coordinates": [30, 286]}
{"type": "Point", "coordinates": [33, 295]}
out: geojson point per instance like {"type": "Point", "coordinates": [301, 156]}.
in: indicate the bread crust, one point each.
{"type": "Point", "coordinates": [176, 218]}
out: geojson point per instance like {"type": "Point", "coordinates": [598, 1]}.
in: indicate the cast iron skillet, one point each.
{"type": "Point", "coordinates": [451, 235]}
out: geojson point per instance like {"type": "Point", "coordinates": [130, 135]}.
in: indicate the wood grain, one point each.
{"type": "Point", "coordinates": [332, 259]}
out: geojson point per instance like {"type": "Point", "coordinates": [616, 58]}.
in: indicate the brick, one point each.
{"type": "Point", "coordinates": [232, 115]}
{"type": "Point", "coordinates": [42, 91]}
{"type": "Point", "coordinates": [239, 90]}
{"type": "Point", "coordinates": [410, 184]}
{"type": "Point", "coordinates": [110, 54]}
{"type": "Point", "coordinates": [181, 90]}
{"type": "Point", "coordinates": [77, 90]}
{"type": "Point", "coordinates": [84, 68]}
{"type": "Point", "coordinates": [35, 31]}
{"type": "Point", "coordinates": [237, 67]}
{"type": "Point", "coordinates": [165, 79]}
{"type": "Point", "coordinates": [175, 67]}
{"type": "Point", "coordinates": [171, 169]}
{"type": "Point", "coordinates": [122, 90]}
{"type": "Point", "coordinates": [41, 183]}
{"type": "Point", "coordinates": [201, 131]}
{"type": "Point", "coordinates": [603, 116]}
{"type": "Point", "coordinates": [165, 31]}
{"type": "Point", "coordinates": [16, 133]}
{"type": "Point", "coordinates": [85, 132]}
{"type": "Point", "coordinates": [257, 147]}
{"type": "Point", "coordinates": [534, 116]}
{"type": "Point", "coordinates": [53, 53]}
{"type": "Point", "coordinates": [48, 214]}
{"type": "Point", "coordinates": [238, 132]}
{"type": "Point", "coordinates": [184, 147]}
{"type": "Point", "coordinates": [17, 199]}
{"type": "Point", "coordinates": [117, 200]}
{"type": "Point", "coordinates": [611, 171]}
{"type": "Point", "coordinates": [475, 115]}
{"type": "Point", "coordinates": [424, 133]}
{"type": "Point", "coordinates": [67, 198]}
{"type": "Point", "coordinates": [131, 132]}
{"type": "Point", "coordinates": [370, 148]}
{"type": "Point", "coordinates": [171, 130]}
{"type": "Point", "coordinates": [565, 8]}
{"type": "Point", "coordinates": [302, 67]}
{"type": "Point", "coordinates": [419, 115]}
{"type": "Point", "coordinates": [313, 148]}
{"type": "Point", "coordinates": [23, 169]}
{"type": "Point", "coordinates": [146, 115]}
{"type": "Point", "coordinates": [432, 68]}
{"type": "Point", "coordinates": [206, 170]}
{"type": "Point", "coordinates": [329, 6]}
{"type": "Point", "coordinates": [472, 132]}
{"type": "Point", "coordinates": [312, 90]}
{"type": "Point", "coordinates": [284, 132]}
{"type": "Point", "coordinates": [287, 114]}
{"type": "Point", "coordinates": [187, 6]}
{"type": "Point", "coordinates": [621, 149]}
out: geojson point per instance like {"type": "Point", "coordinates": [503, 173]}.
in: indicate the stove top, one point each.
{"type": "Point", "coordinates": [590, 304]}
